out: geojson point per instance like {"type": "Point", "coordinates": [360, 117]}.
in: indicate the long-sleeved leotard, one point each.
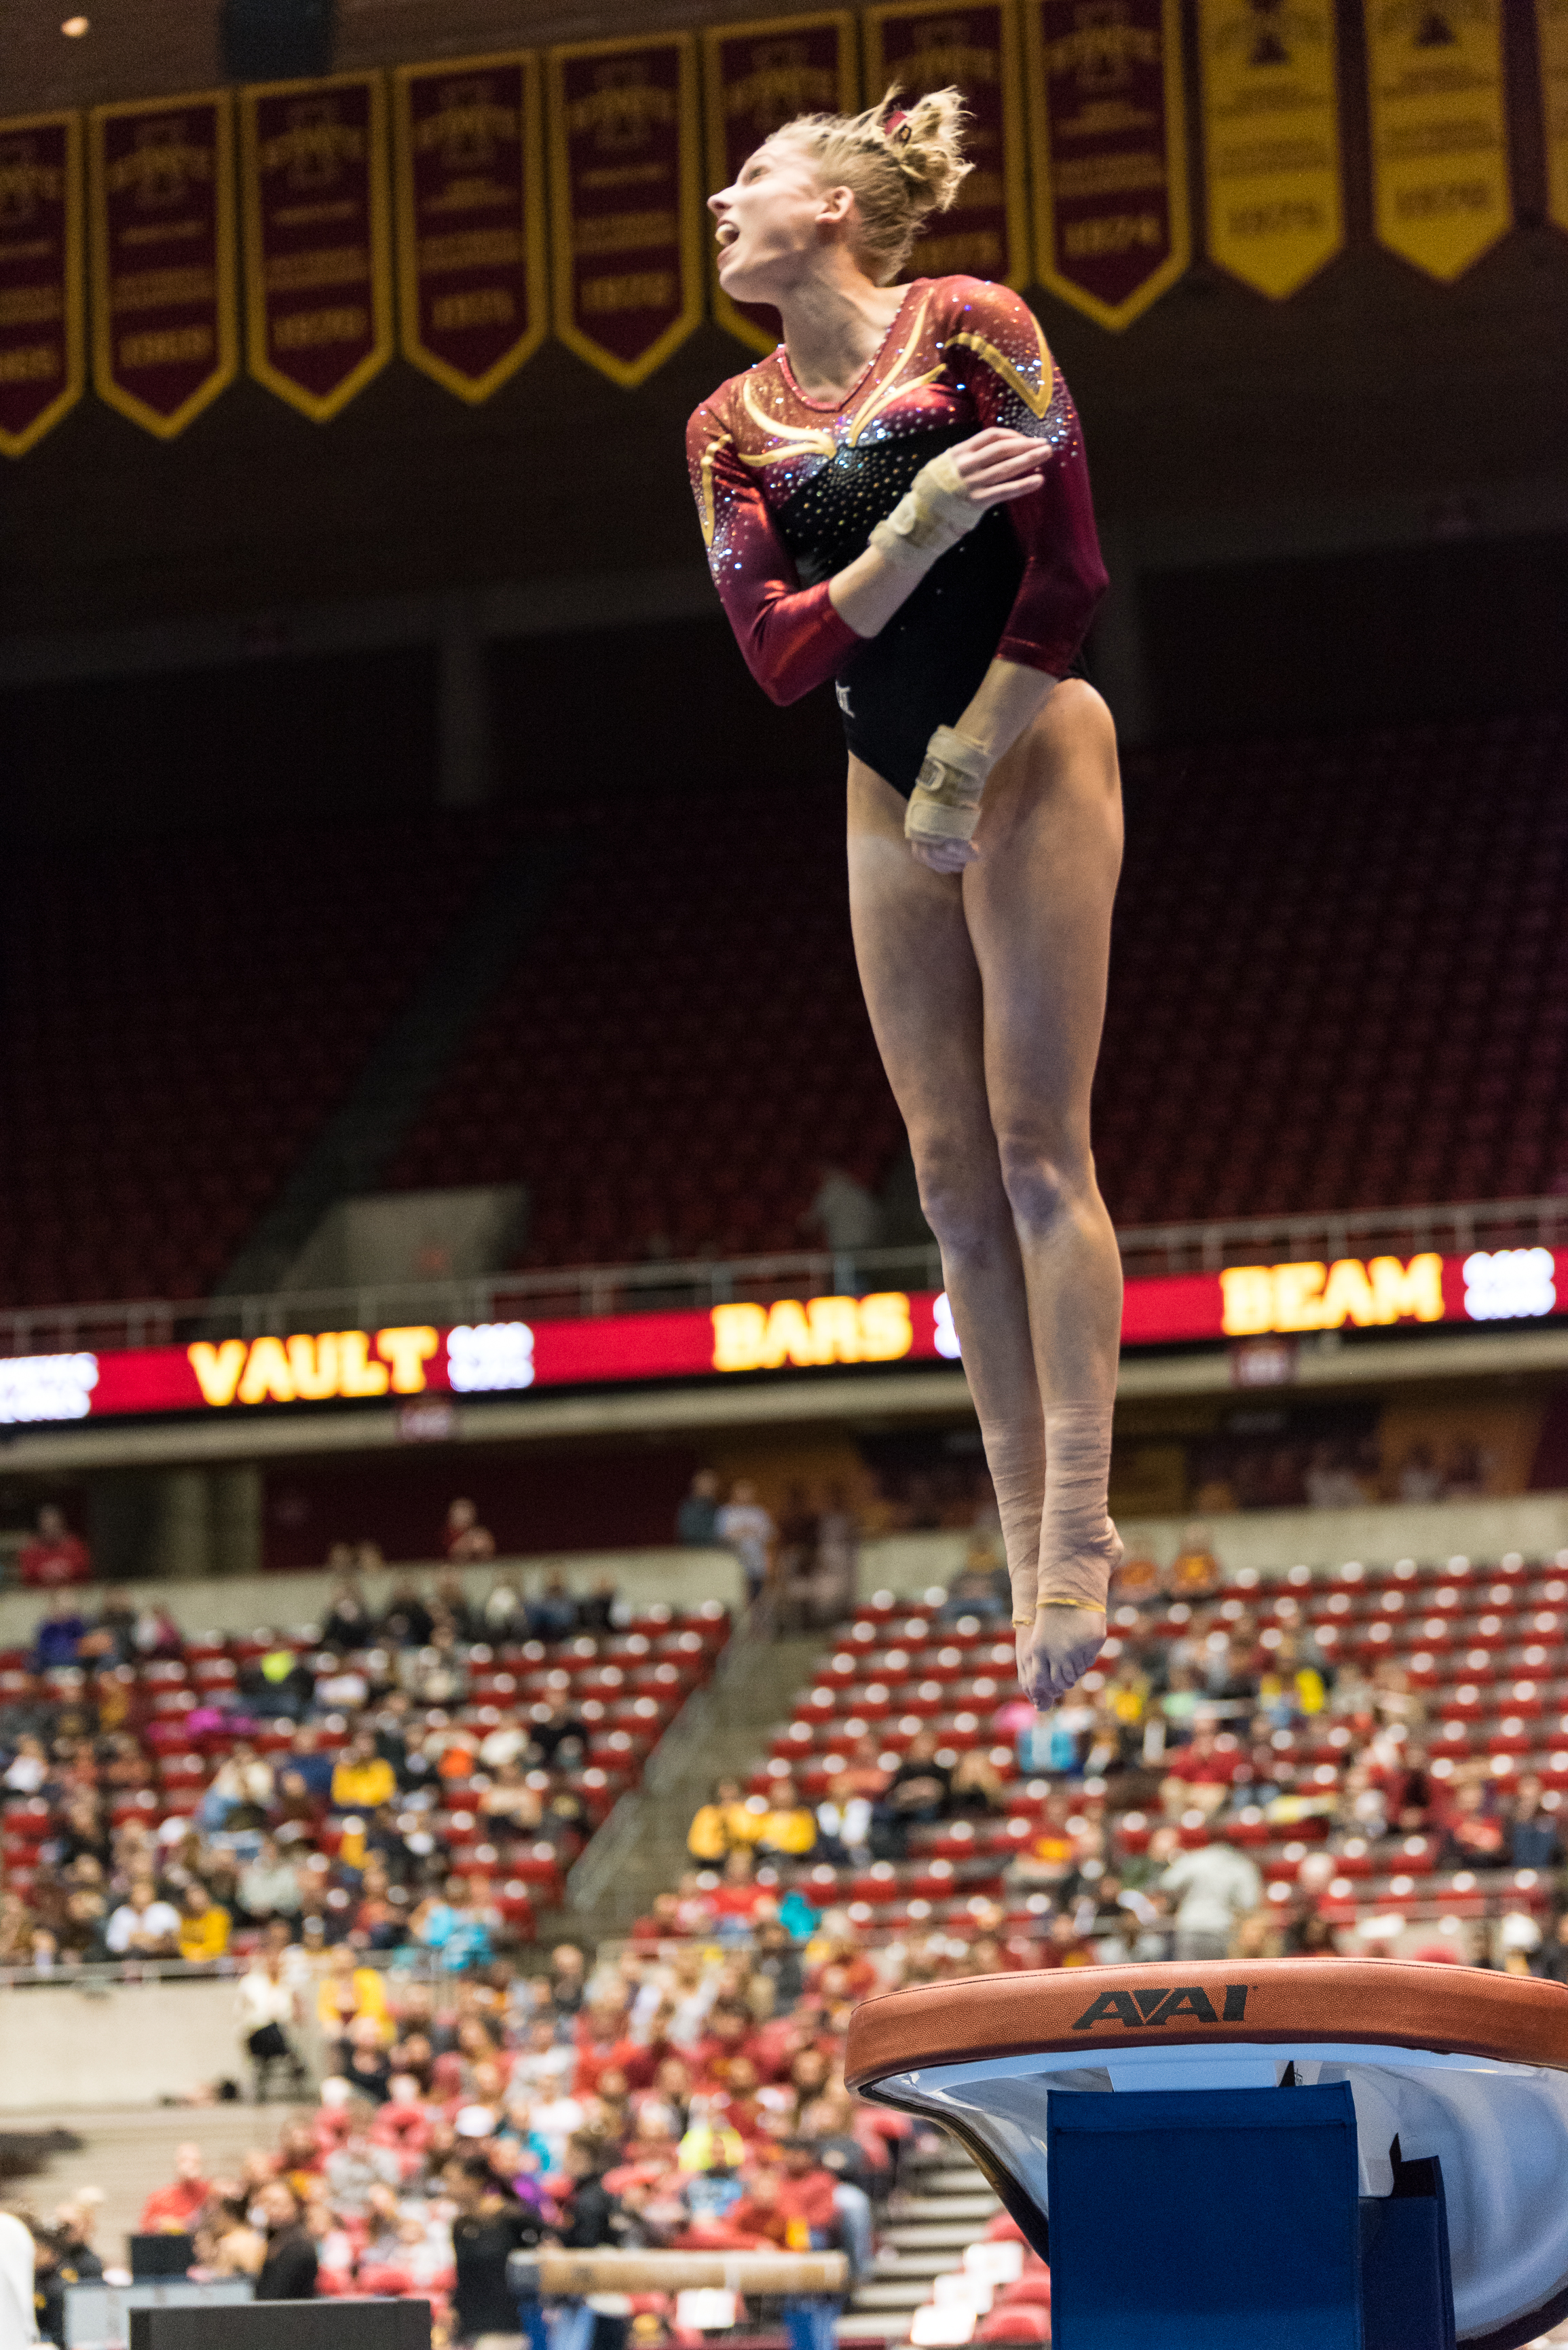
{"type": "Point", "coordinates": [789, 490]}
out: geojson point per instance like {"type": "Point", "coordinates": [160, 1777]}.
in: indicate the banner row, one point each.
{"type": "Point", "coordinates": [432, 185]}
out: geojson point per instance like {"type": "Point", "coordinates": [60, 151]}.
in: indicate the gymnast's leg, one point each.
{"type": "Point", "coordinates": [1038, 902]}
{"type": "Point", "coordinates": [990, 1055]}
{"type": "Point", "coordinates": [923, 993]}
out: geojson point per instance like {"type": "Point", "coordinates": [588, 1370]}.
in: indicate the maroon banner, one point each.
{"type": "Point", "coordinates": [470, 186]}
{"type": "Point", "coordinates": [318, 274]}
{"type": "Point", "coordinates": [165, 334]}
{"type": "Point", "coordinates": [626, 216]}
{"type": "Point", "coordinates": [758, 78]}
{"type": "Point", "coordinates": [43, 351]}
{"type": "Point", "coordinates": [926, 47]}
{"type": "Point", "coordinates": [1108, 141]}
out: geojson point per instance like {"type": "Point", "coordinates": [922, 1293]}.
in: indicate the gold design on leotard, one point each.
{"type": "Point", "coordinates": [799, 439]}
{"type": "Point", "coordinates": [893, 383]}
{"type": "Point", "coordinates": [705, 490]}
{"type": "Point", "coordinates": [1036, 402]}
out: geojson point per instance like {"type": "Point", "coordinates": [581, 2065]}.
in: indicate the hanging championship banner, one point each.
{"type": "Point", "coordinates": [626, 205]}
{"type": "Point", "coordinates": [165, 336]}
{"type": "Point", "coordinates": [1441, 183]}
{"type": "Point", "coordinates": [1270, 140]}
{"type": "Point", "coordinates": [759, 77]}
{"type": "Point", "coordinates": [924, 47]}
{"type": "Point", "coordinates": [471, 219]}
{"type": "Point", "coordinates": [43, 343]}
{"type": "Point", "coordinates": [1551, 33]}
{"type": "Point", "coordinates": [318, 274]}
{"type": "Point", "coordinates": [1108, 142]}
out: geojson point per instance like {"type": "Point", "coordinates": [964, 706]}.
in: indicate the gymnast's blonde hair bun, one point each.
{"type": "Point", "coordinates": [902, 164]}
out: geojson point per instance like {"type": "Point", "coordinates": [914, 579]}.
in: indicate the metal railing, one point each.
{"type": "Point", "coordinates": [583, 1292]}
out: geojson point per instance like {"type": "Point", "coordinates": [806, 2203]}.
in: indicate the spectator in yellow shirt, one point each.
{"type": "Point", "coordinates": [348, 1991]}
{"type": "Point", "coordinates": [364, 1780]}
{"type": "Point", "coordinates": [790, 1829]}
{"type": "Point", "coordinates": [725, 1824]}
{"type": "Point", "coordinates": [203, 1925]}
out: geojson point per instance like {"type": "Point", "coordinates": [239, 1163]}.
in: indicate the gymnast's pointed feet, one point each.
{"type": "Point", "coordinates": [1064, 1641]}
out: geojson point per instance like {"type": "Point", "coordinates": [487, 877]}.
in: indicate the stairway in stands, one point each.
{"type": "Point", "coordinates": [942, 2206]}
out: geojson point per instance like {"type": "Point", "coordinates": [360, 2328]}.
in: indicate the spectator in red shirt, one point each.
{"type": "Point", "coordinates": [805, 2196]}
{"type": "Point", "coordinates": [1200, 1774]}
{"type": "Point", "coordinates": [464, 1538]}
{"type": "Point", "coordinates": [172, 2211]}
{"type": "Point", "coordinates": [737, 1897]}
{"type": "Point", "coordinates": [54, 1556]}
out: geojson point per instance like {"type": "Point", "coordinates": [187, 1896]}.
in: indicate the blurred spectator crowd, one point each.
{"type": "Point", "coordinates": [415, 1776]}
{"type": "Point", "coordinates": [693, 2099]}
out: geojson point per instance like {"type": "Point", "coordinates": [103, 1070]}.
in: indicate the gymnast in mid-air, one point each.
{"type": "Point", "coordinates": [898, 500]}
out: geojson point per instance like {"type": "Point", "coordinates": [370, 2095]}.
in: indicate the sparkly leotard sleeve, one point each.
{"type": "Point", "coordinates": [788, 490]}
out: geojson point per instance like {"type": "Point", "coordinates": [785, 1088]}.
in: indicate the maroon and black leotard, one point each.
{"type": "Point", "coordinates": [789, 490]}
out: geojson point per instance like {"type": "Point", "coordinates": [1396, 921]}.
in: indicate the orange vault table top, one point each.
{"type": "Point", "coordinates": [1454, 2061]}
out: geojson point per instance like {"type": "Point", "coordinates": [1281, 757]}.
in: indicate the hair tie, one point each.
{"type": "Point", "coordinates": [895, 125]}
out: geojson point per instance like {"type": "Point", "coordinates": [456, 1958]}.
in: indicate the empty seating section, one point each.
{"type": "Point", "coordinates": [181, 1015]}
{"type": "Point", "coordinates": [186, 1713]}
{"type": "Point", "coordinates": [682, 1047]}
{"type": "Point", "coordinates": [1338, 983]}
{"type": "Point", "coordinates": [1481, 1650]}
{"type": "Point", "coordinates": [1338, 977]}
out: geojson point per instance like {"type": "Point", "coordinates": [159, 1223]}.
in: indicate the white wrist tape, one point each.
{"type": "Point", "coordinates": [945, 802]}
{"type": "Point", "coordinates": [935, 511]}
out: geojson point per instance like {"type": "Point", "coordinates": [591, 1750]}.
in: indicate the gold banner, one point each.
{"type": "Point", "coordinates": [924, 46]}
{"type": "Point", "coordinates": [470, 187]}
{"type": "Point", "coordinates": [1109, 142]}
{"type": "Point", "coordinates": [1551, 34]}
{"type": "Point", "coordinates": [1440, 130]}
{"type": "Point", "coordinates": [757, 78]}
{"type": "Point", "coordinates": [43, 343]}
{"type": "Point", "coordinates": [318, 245]}
{"type": "Point", "coordinates": [165, 334]}
{"type": "Point", "coordinates": [625, 207]}
{"type": "Point", "coordinates": [1270, 140]}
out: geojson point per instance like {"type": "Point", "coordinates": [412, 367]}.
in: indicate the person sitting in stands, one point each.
{"type": "Point", "coordinates": [1195, 1570]}
{"type": "Point", "coordinates": [59, 1634]}
{"type": "Point", "coordinates": [363, 1780]}
{"type": "Point", "coordinates": [407, 1621]}
{"type": "Point", "coordinates": [734, 1903]}
{"type": "Point", "coordinates": [54, 1556]}
{"type": "Point", "coordinates": [724, 1823]}
{"type": "Point", "coordinates": [204, 1927]}
{"type": "Point", "coordinates": [1476, 1836]}
{"type": "Point", "coordinates": [916, 1795]}
{"type": "Point", "coordinates": [553, 1614]}
{"type": "Point", "coordinates": [144, 1926]}
{"type": "Point", "coordinates": [789, 1831]}
{"type": "Point", "coordinates": [349, 1623]}
{"type": "Point", "coordinates": [980, 1588]}
{"type": "Point", "coordinates": [465, 1541]}
{"type": "Point", "coordinates": [172, 2209]}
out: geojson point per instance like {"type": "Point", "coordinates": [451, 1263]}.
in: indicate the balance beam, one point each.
{"type": "Point", "coordinates": [551, 2274]}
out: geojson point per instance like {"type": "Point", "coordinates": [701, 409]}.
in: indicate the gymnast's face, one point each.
{"type": "Point", "coordinates": [776, 222]}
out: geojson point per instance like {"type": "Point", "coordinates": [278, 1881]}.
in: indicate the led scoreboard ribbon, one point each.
{"type": "Point", "coordinates": [237, 1375]}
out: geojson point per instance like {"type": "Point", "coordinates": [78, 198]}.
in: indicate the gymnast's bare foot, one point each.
{"type": "Point", "coordinates": [1062, 1643]}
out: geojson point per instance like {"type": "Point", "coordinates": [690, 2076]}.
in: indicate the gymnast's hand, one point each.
{"type": "Point", "coordinates": [1056, 1650]}
{"type": "Point", "coordinates": [996, 465]}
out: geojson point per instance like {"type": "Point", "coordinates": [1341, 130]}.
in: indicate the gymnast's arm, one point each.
{"type": "Point", "coordinates": [797, 638]}
{"type": "Point", "coordinates": [1063, 582]}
